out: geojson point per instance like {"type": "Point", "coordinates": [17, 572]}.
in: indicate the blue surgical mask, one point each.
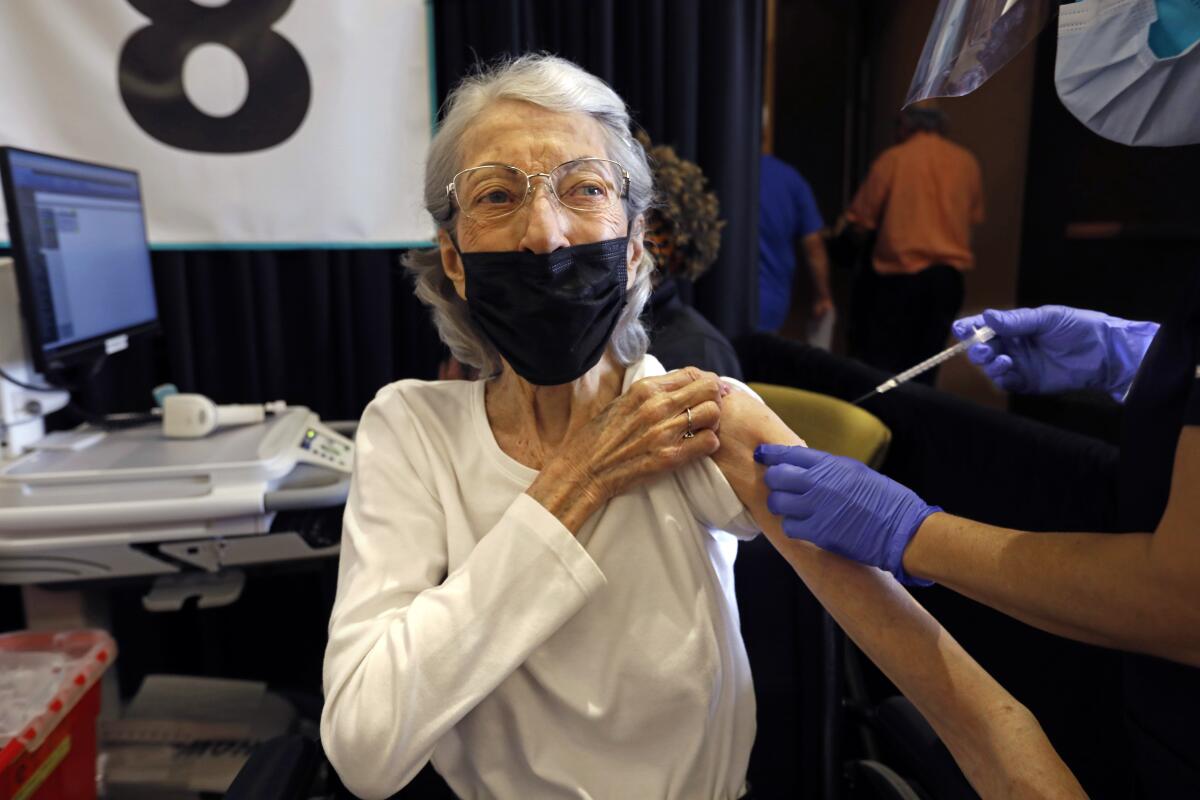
{"type": "Point", "coordinates": [1111, 80]}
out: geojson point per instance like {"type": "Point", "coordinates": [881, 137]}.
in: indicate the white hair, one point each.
{"type": "Point", "coordinates": [557, 85]}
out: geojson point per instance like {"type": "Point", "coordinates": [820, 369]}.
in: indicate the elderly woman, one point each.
{"type": "Point", "coordinates": [536, 584]}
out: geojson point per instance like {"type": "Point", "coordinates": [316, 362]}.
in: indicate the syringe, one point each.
{"type": "Point", "coordinates": [981, 335]}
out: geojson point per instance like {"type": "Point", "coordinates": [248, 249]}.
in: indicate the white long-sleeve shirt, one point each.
{"type": "Point", "coordinates": [472, 627]}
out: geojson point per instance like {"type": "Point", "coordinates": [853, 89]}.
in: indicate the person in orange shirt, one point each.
{"type": "Point", "coordinates": [921, 198]}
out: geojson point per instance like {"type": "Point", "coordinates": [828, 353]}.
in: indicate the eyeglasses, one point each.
{"type": "Point", "coordinates": [492, 191]}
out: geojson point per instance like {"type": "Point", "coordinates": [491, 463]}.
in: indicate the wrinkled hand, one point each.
{"type": "Point", "coordinates": [843, 506]}
{"type": "Point", "coordinates": [642, 433]}
{"type": "Point", "coordinates": [1058, 348]}
{"type": "Point", "coordinates": [635, 437]}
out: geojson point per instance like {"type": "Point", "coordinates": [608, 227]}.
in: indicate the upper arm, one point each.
{"type": "Point", "coordinates": [393, 531]}
{"type": "Point", "coordinates": [1175, 546]}
{"type": "Point", "coordinates": [707, 487]}
{"type": "Point", "coordinates": [814, 247]}
{"type": "Point", "coordinates": [393, 525]}
{"type": "Point", "coordinates": [747, 422]}
{"type": "Point", "coordinates": [867, 207]}
{"type": "Point", "coordinates": [809, 219]}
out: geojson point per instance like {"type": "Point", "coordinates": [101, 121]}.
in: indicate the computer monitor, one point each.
{"type": "Point", "coordinates": [80, 255]}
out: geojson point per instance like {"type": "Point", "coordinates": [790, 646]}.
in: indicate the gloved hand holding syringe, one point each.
{"type": "Point", "coordinates": [980, 336]}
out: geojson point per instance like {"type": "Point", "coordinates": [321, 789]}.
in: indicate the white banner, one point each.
{"type": "Point", "coordinates": [251, 122]}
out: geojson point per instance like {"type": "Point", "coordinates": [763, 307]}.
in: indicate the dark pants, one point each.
{"type": "Point", "coordinates": [899, 320]}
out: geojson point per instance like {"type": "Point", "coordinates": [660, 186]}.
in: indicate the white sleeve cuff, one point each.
{"type": "Point", "coordinates": [534, 517]}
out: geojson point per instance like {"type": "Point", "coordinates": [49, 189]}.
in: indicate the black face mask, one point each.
{"type": "Point", "coordinates": [550, 315]}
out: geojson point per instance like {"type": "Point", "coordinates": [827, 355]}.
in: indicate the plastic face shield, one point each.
{"type": "Point", "coordinates": [970, 40]}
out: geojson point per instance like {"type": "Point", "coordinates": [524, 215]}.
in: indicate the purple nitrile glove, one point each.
{"type": "Point", "coordinates": [843, 506]}
{"type": "Point", "coordinates": [1058, 349]}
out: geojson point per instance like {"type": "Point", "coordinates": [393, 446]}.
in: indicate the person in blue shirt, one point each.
{"type": "Point", "coordinates": [788, 216]}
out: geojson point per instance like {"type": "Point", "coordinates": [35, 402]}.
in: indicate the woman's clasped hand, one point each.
{"type": "Point", "coordinates": [644, 432]}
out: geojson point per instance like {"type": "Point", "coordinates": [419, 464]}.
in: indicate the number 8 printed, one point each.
{"type": "Point", "coordinates": [151, 75]}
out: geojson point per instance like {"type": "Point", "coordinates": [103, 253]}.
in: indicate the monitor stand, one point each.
{"type": "Point", "coordinates": [21, 410]}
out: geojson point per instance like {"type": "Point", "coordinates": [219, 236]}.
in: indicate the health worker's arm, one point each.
{"type": "Point", "coordinates": [1136, 591]}
{"type": "Point", "coordinates": [996, 741]}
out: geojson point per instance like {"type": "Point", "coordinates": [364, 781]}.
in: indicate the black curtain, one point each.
{"type": "Point", "coordinates": [690, 71]}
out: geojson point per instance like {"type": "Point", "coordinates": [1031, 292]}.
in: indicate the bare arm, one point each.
{"type": "Point", "coordinates": [997, 742]}
{"type": "Point", "coordinates": [818, 264]}
{"type": "Point", "coordinates": [1137, 591]}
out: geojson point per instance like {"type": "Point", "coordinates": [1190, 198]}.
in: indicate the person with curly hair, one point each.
{"type": "Point", "coordinates": [683, 234]}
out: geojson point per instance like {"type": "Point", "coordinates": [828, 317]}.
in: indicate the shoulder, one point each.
{"type": "Point", "coordinates": [409, 411]}
{"type": "Point", "coordinates": [891, 153]}
{"type": "Point", "coordinates": [885, 162]}
{"type": "Point", "coordinates": [965, 156]}
{"type": "Point", "coordinates": [781, 168]}
{"type": "Point", "coordinates": [742, 407]}
{"type": "Point", "coordinates": [803, 188]}
{"type": "Point", "coordinates": [747, 422]}
{"type": "Point", "coordinates": [976, 167]}
{"type": "Point", "coordinates": [424, 398]}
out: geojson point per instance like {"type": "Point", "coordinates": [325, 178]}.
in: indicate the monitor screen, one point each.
{"type": "Point", "coordinates": [79, 246]}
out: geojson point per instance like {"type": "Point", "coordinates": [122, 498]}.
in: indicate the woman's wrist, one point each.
{"type": "Point", "coordinates": [568, 493]}
{"type": "Point", "coordinates": [999, 744]}
{"type": "Point", "coordinates": [1023, 761]}
{"type": "Point", "coordinates": [920, 557]}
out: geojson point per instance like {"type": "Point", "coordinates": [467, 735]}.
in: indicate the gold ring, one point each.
{"type": "Point", "coordinates": [689, 433]}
